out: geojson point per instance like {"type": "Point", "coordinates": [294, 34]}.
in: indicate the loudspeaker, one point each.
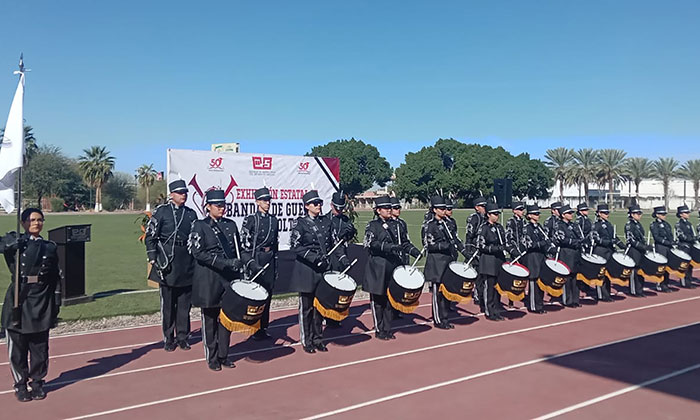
{"type": "Point", "coordinates": [503, 190]}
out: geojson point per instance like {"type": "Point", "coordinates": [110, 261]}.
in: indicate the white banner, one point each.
{"type": "Point", "coordinates": [240, 174]}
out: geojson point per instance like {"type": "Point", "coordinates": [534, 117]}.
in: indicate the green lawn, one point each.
{"type": "Point", "coordinates": [116, 260]}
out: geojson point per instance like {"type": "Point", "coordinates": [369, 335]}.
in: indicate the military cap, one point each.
{"type": "Point", "coordinates": [178, 186]}
{"type": "Point", "coordinates": [311, 196]}
{"type": "Point", "coordinates": [395, 203]}
{"type": "Point", "coordinates": [555, 205]}
{"type": "Point", "coordinates": [518, 205]}
{"type": "Point", "coordinates": [437, 201]}
{"type": "Point", "coordinates": [492, 208]}
{"type": "Point", "coordinates": [338, 199]}
{"type": "Point", "coordinates": [603, 208]}
{"type": "Point", "coordinates": [582, 207]}
{"type": "Point", "coordinates": [566, 209]}
{"type": "Point", "coordinates": [479, 201]}
{"type": "Point", "coordinates": [383, 202]}
{"type": "Point", "coordinates": [634, 209]}
{"type": "Point", "coordinates": [449, 204]}
{"type": "Point", "coordinates": [215, 197]}
{"type": "Point", "coordinates": [533, 209]}
{"type": "Point", "coordinates": [659, 210]}
{"type": "Point", "coordinates": [262, 194]}
{"type": "Point", "coordinates": [682, 209]}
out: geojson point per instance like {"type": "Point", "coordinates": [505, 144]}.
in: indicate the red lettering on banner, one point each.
{"type": "Point", "coordinates": [262, 163]}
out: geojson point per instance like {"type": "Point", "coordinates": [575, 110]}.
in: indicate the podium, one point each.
{"type": "Point", "coordinates": [71, 259]}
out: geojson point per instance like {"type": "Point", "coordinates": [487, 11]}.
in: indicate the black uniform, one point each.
{"type": "Point", "coordinates": [586, 232]}
{"type": "Point", "coordinates": [634, 233]}
{"type": "Point", "coordinates": [490, 242]}
{"type": "Point", "coordinates": [441, 246]}
{"type": "Point", "coordinates": [550, 225]}
{"type": "Point", "coordinates": [39, 297]}
{"type": "Point", "coordinates": [474, 223]}
{"type": "Point", "coordinates": [605, 247]}
{"type": "Point", "coordinates": [515, 229]}
{"type": "Point", "coordinates": [310, 240]}
{"type": "Point", "coordinates": [686, 239]}
{"type": "Point", "coordinates": [342, 229]}
{"type": "Point", "coordinates": [259, 246]}
{"type": "Point", "coordinates": [663, 242]}
{"type": "Point", "coordinates": [214, 246]}
{"type": "Point", "coordinates": [536, 245]}
{"type": "Point", "coordinates": [166, 234]}
{"type": "Point", "coordinates": [566, 236]}
{"type": "Point", "coordinates": [407, 249]}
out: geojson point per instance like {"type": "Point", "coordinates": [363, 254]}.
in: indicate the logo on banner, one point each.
{"type": "Point", "coordinates": [215, 164]}
{"type": "Point", "coordinates": [303, 168]}
{"type": "Point", "coordinates": [261, 163]}
{"type": "Point", "coordinates": [199, 196]}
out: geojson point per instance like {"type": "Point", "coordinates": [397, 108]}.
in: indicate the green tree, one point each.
{"type": "Point", "coordinates": [119, 191]}
{"type": "Point", "coordinates": [361, 165]}
{"type": "Point", "coordinates": [146, 176]}
{"type": "Point", "coordinates": [559, 161]}
{"type": "Point", "coordinates": [638, 169]}
{"type": "Point", "coordinates": [96, 165]}
{"type": "Point", "coordinates": [665, 169]}
{"type": "Point", "coordinates": [46, 173]}
{"type": "Point", "coordinates": [584, 169]}
{"type": "Point", "coordinates": [611, 169]}
{"type": "Point", "coordinates": [691, 171]}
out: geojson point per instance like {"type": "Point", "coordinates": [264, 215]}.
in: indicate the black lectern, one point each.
{"type": "Point", "coordinates": [71, 256]}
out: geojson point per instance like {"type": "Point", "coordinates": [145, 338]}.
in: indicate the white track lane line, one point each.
{"type": "Point", "coordinates": [487, 373]}
{"type": "Point", "coordinates": [619, 392]}
{"type": "Point", "coordinates": [368, 360]}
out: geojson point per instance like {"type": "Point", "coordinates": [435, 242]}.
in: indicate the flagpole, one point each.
{"type": "Point", "coordinates": [16, 310]}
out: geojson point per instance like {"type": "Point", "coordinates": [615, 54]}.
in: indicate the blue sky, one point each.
{"type": "Point", "coordinates": [281, 77]}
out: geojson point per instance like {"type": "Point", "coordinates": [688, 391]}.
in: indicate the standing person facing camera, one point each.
{"type": "Point", "coordinates": [39, 302]}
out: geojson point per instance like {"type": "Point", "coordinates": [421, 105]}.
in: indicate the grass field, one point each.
{"type": "Point", "coordinates": [116, 260]}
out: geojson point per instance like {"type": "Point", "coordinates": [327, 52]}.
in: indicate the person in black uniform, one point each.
{"type": "Point", "coordinates": [408, 249]}
{"type": "Point", "coordinates": [382, 241]}
{"type": "Point", "coordinates": [566, 236]}
{"type": "Point", "coordinates": [588, 240]}
{"type": "Point", "coordinates": [551, 223]}
{"type": "Point", "coordinates": [311, 241]}
{"type": "Point", "coordinates": [474, 223]}
{"type": "Point", "coordinates": [442, 247]}
{"type": "Point", "coordinates": [172, 266]}
{"type": "Point", "coordinates": [536, 245]}
{"type": "Point", "coordinates": [686, 239]}
{"type": "Point", "coordinates": [39, 301]}
{"type": "Point", "coordinates": [634, 233]}
{"type": "Point", "coordinates": [490, 242]}
{"type": "Point", "coordinates": [515, 228]}
{"type": "Point", "coordinates": [342, 229]}
{"type": "Point", "coordinates": [213, 243]}
{"type": "Point", "coordinates": [259, 246]}
{"type": "Point", "coordinates": [605, 246]}
{"type": "Point", "coordinates": [663, 240]}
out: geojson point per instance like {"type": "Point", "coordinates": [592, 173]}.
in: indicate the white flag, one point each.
{"type": "Point", "coordinates": [12, 151]}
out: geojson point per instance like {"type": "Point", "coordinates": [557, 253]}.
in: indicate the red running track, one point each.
{"type": "Point", "coordinates": [632, 356]}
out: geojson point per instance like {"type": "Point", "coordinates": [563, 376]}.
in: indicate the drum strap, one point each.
{"type": "Point", "coordinates": [223, 241]}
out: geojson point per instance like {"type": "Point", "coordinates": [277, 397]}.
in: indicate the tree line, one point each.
{"type": "Point", "coordinates": [609, 167]}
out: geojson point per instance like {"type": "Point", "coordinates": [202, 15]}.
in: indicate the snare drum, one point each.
{"type": "Point", "coordinates": [405, 288]}
{"type": "Point", "coordinates": [619, 269]}
{"type": "Point", "coordinates": [695, 255]}
{"type": "Point", "coordinates": [334, 295]}
{"type": "Point", "coordinates": [512, 281]}
{"type": "Point", "coordinates": [652, 267]}
{"type": "Point", "coordinates": [458, 281]}
{"type": "Point", "coordinates": [242, 306]}
{"type": "Point", "coordinates": [591, 269]}
{"type": "Point", "coordinates": [678, 262]}
{"type": "Point", "coordinates": [553, 277]}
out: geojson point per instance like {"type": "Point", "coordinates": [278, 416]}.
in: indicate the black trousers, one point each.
{"type": "Point", "coordinates": [603, 292]}
{"type": "Point", "coordinates": [636, 283]}
{"type": "Point", "coordinates": [175, 304]}
{"type": "Point", "coordinates": [440, 305]}
{"type": "Point", "coordinates": [382, 312]}
{"type": "Point", "coordinates": [310, 321]}
{"type": "Point", "coordinates": [215, 337]}
{"type": "Point", "coordinates": [535, 297]}
{"type": "Point", "coordinates": [570, 295]}
{"type": "Point", "coordinates": [491, 300]}
{"type": "Point", "coordinates": [687, 279]}
{"type": "Point", "coordinates": [479, 291]}
{"type": "Point", "coordinates": [36, 347]}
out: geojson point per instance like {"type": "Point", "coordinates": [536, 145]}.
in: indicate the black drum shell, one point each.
{"type": "Point", "coordinates": [652, 268]}
{"type": "Point", "coordinates": [242, 309]}
{"type": "Point", "coordinates": [454, 283]}
{"type": "Point", "coordinates": [676, 263]}
{"type": "Point", "coordinates": [551, 278]}
{"type": "Point", "coordinates": [590, 269]}
{"type": "Point", "coordinates": [695, 253]}
{"type": "Point", "coordinates": [510, 282]}
{"type": "Point", "coordinates": [403, 295]}
{"type": "Point", "coordinates": [617, 270]}
{"type": "Point", "coordinates": [334, 299]}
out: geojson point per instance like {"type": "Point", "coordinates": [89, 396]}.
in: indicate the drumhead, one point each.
{"type": "Point", "coordinates": [463, 270]}
{"type": "Point", "coordinates": [595, 259]}
{"type": "Point", "coordinates": [558, 267]}
{"type": "Point", "coordinates": [681, 254]}
{"type": "Point", "coordinates": [624, 260]}
{"type": "Point", "coordinates": [656, 258]}
{"type": "Point", "coordinates": [249, 290]}
{"type": "Point", "coordinates": [516, 270]}
{"type": "Point", "coordinates": [340, 281]}
{"type": "Point", "coordinates": [696, 245]}
{"type": "Point", "coordinates": [408, 278]}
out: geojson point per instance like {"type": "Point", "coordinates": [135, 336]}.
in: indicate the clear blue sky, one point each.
{"type": "Point", "coordinates": [283, 76]}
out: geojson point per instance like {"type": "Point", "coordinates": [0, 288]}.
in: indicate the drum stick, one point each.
{"type": "Point", "coordinates": [469, 263]}
{"type": "Point", "coordinates": [260, 272]}
{"type": "Point", "coordinates": [332, 250]}
{"type": "Point", "coordinates": [413, 266]}
{"type": "Point", "coordinates": [556, 258]}
{"type": "Point", "coordinates": [351, 264]}
{"type": "Point", "coordinates": [516, 260]}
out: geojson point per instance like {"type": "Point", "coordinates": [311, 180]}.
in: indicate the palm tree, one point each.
{"type": "Point", "coordinates": [559, 160]}
{"type": "Point", "coordinates": [691, 171]}
{"type": "Point", "coordinates": [146, 176]}
{"type": "Point", "coordinates": [611, 168]}
{"type": "Point", "coordinates": [585, 168]}
{"type": "Point", "coordinates": [30, 146]}
{"type": "Point", "coordinates": [638, 169]}
{"type": "Point", "coordinates": [96, 166]}
{"type": "Point", "coordinates": [664, 170]}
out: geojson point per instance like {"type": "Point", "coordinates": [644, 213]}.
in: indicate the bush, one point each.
{"type": "Point", "coordinates": [57, 204]}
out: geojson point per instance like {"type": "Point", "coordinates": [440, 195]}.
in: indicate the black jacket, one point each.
{"type": "Point", "coordinates": [568, 238]}
{"type": "Point", "coordinates": [441, 248]}
{"type": "Point", "coordinates": [586, 232]}
{"type": "Point", "coordinates": [663, 236]}
{"type": "Point", "coordinates": [39, 300]}
{"type": "Point", "coordinates": [550, 225]}
{"type": "Point", "coordinates": [167, 231]}
{"type": "Point", "coordinates": [686, 235]}
{"type": "Point", "coordinates": [537, 245]}
{"type": "Point", "coordinates": [341, 229]}
{"type": "Point", "coordinates": [382, 242]}
{"type": "Point", "coordinates": [310, 240]}
{"type": "Point", "coordinates": [491, 244]}
{"type": "Point", "coordinates": [474, 223]}
{"type": "Point", "coordinates": [213, 246]}
{"type": "Point", "coordinates": [634, 232]}
{"type": "Point", "coordinates": [259, 246]}
{"type": "Point", "coordinates": [407, 249]}
{"type": "Point", "coordinates": [515, 229]}
{"type": "Point", "coordinates": [605, 245]}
